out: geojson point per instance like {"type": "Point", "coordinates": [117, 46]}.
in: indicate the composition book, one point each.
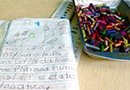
{"type": "Point", "coordinates": [37, 54]}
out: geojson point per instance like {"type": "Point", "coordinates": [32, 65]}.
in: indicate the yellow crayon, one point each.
{"type": "Point", "coordinates": [111, 47]}
{"type": "Point", "coordinates": [100, 5]}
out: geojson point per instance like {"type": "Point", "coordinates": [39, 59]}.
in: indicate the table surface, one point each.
{"type": "Point", "coordinates": [93, 73]}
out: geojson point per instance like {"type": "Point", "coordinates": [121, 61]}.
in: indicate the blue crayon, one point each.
{"type": "Point", "coordinates": [90, 20]}
{"type": "Point", "coordinates": [91, 31]}
{"type": "Point", "coordinates": [111, 31]}
{"type": "Point", "coordinates": [92, 43]}
{"type": "Point", "coordinates": [62, 17]}
{"type": "Point", "coordinates": [106, 7]}
{"type": "Point", "coordinates": [84, 11]}
{"type": "Point", "coordinates": [96, 25]}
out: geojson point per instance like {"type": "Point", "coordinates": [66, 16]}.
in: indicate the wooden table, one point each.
{"type": "Point", "coordinates": [93, 74]}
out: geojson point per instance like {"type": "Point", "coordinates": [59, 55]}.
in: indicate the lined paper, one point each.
{"type": "Point", "coordinates": [38, 54]}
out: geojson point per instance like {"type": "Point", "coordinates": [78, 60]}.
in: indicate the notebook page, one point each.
{"type": "Point", "coordinates": [38, 54]}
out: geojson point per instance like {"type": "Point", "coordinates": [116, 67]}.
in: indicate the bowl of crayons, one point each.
{"type": "Point", "coordinates": [105, 29]}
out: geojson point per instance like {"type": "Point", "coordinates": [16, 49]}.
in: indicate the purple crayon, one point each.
{"type": "Point", "coordinates": [93, 7]}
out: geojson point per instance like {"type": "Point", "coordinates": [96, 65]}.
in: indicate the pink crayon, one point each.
{"type": "Point", "coordinates": [102, 22]}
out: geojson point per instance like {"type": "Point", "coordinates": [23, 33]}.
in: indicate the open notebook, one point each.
{"type": "Point", "coordinates": [37, 54]}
